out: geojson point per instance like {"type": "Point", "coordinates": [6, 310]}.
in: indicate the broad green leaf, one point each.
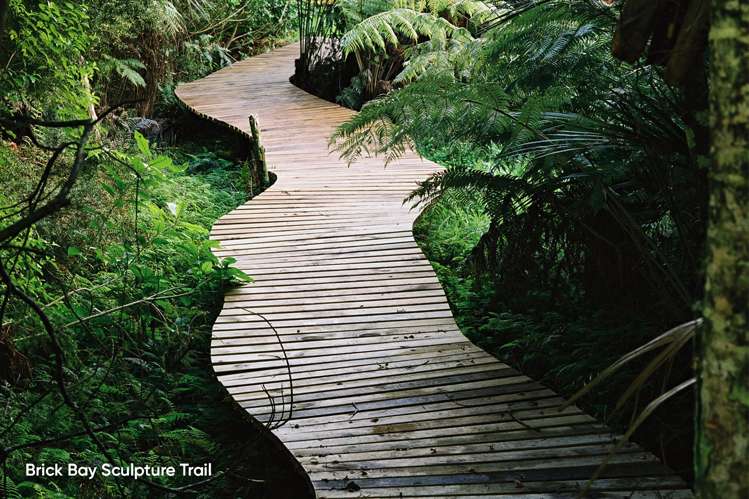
{"type": "Point", "coordinates": [142, 144]}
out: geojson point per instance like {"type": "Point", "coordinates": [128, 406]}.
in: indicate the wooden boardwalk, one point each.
{"type": "Point", "coordinates": [389, 398]}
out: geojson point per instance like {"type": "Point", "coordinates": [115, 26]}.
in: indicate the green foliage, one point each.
{"type": "Point", "coordinates": [8, 488]}
{"type": "Point", "coordinates": [126, 272]}
{"type": "Point", "coordinates": [203, 55]}
{"type": "Point", "coordinates": [353, 95]}
{"type": "Point", "coordinates": [458, 12]}
{"type": "Point", "coordinates": [585, 168]}
{"type": "Point", "coordinates": [380, 30]}
{"type": "Point", "coordinates": [43, 56]}
{"type": "Point", "coordinates": [128, 69]}
{"type": "Point", "coordinates": [133, 288]}
{"type": "Point", "coordinates": [384, 36]}
{"type": "Point", "coordinates": [126, 48]}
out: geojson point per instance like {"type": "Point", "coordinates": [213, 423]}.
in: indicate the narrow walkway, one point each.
{"type": "Point", "coordinates": [389, 398]}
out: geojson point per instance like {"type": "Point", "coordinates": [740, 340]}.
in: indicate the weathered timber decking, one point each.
{"type": "Point", "coordinates": [390, 399]}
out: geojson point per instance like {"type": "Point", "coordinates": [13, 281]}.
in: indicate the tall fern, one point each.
{"type": "Point", "coordinates": [388, 28]}
{"type": "Point", "coordinates": [384, 35]}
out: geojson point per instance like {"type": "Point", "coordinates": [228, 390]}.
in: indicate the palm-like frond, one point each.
{"type": "Point", "coordinates": [420, 65]}
{"type": "Point", "coordinates": [355, 11]}
{"type": "Point", "coordinates": [371, 132]}
{"type": "Point", "coordinates": [387, 28]}
{"type": "Point", "coordinates": [471, 179]}
{"type": "Point", "coordinates": [436, 56]}
{"type": "Point", "coordinates": [475, 11]}
{"type": "Point", "coordinates": [167, 18]}
{"type": "Point", "coordinates": [125, 68]}
{"type": "Point", "coordinates": [433, 102]}
{"type": "Point", "coordinates": [670, 342]}
{"type": "Point", "coordinates": [198, 8]}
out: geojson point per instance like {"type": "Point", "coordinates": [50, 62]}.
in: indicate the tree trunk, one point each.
{"type": "Point", "coordinates": [3, 15]}
{"type": "Point", "coordinates": [722, 444]}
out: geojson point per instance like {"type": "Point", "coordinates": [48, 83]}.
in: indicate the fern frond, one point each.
{"type": "Point", "coordinates": [468, 179]}
{"type": "Point", "coordinates": [373, 131]}
{"type": "Point", "coordinates": [377, 32]}
{"type": "Point", "coordinates": [129, 69]}
{"type": "Point", "coordinates": [420, 65]}
{"type": "Point", "coordinates": [355, 11]}
{"type": "Point", "coordinates": [166, 17]}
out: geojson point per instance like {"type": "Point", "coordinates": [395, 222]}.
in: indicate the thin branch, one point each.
{"type": "Point", "coordinates": [283, 418]}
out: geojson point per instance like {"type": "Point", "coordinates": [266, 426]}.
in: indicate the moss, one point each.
{"type": "Point", "coordinates": [723, 423]}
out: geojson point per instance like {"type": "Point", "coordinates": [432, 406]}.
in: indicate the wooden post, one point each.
{"type": "Point", "coordinates": [258, 153]}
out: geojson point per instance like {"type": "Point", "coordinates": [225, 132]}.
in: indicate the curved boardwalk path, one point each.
{"type": "Point", "coordinates": [390, 399]}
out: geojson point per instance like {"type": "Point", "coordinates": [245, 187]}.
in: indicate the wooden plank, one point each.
{"type": "Point", "coordinates": [503, 431]}
{"type": "Point", "coordinates": [508, 488]}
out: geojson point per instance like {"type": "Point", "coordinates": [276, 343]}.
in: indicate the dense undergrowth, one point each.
{"type": "Point", "coordinates": [109, 295]}
{"type": "Point", "coordinates": [129, 272]}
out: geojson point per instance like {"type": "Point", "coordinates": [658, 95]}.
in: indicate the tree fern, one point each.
{"type": "Point", "coordinates": [383, 34]}
{"type": "Point", "coordinates": [166, 18]}
{"type": "Point", "coordinates": [436, 56]}
{"type": "Point", "coordinates": [8, 488]}
{"type": "Point", "coordinates": [356, 11]}
{"type": "Point", "coordinates": [128, 69]}
{"type": "Point", "coordinates": [387, 28]}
